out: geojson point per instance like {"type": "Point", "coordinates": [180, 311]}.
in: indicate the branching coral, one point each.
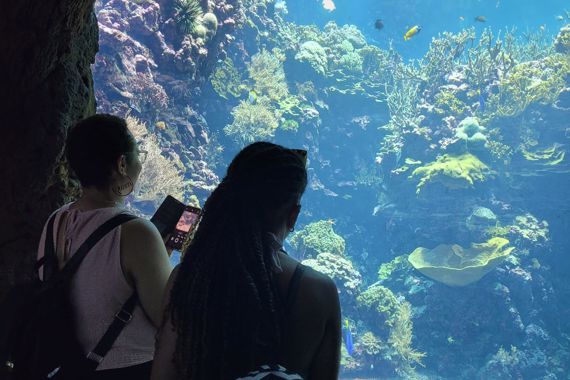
{"type": "Point", "coordinates": [317, 237]}
{"type": "Point", "coordinates": [370, 344]}
{"type": "Point", "coordinates": [251, 122]}
{"type": "Point", "coordinates": [187, 15]}
{"type": "Point", "coordinates": [159, 176]}
{"type": "Point", "coordinates": [266, 71]}
{"type": "Point", "coordinates": [452, 171]}
{"type": "Point", "coordinates": [340, 270]}
{"type": "Point", "coordinates": [530, 82]}
{"type": "Point", "coordinates": [400, 341]}
{"type": "Point", "coordinates": [226, 79]}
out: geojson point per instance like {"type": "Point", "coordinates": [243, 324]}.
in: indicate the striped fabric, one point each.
{"type": "Point", "coordinates": [271, 372]}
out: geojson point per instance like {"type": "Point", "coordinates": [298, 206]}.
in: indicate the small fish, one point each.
{"type": "Point", "coordinates": [161, 125]}
{"type": "Point", "coordinates": [372, 367]}
{"type": "Point", "coordinates": [379, 24]}
{"type": "Point", "coordinates": [328, 5]}
{"type": "Point", "coordinates": [542, 27]}
{"type": "Point", "coordinates": [481, 19]}
{"type": "Point", "coordinates": [412, 32]}
{"type": "Point", "coordinates": [252, 97]}
{"type": "Point", "coordinates": [461, 18]}
{"type": "Point", "coordinates": [348, 338]}
{"type": "Point", "coordinates": [560, 18]}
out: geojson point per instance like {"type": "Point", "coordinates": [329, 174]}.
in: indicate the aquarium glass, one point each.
{"type": "Point", "coordinates": [437, 134]}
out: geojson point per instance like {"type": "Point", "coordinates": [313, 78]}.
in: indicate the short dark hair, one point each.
{"type": "Point", "coordinates": [93, 146]}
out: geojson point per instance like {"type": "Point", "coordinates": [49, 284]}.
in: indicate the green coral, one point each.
{"type": "Point", "coordinates": [351, 63]}
{"type": "Point", "coordinates": [315, 55]}
{"type": "Point", "coordinates": [471, 133]}
{"type": "Point", "coordinates": [530, 82]}
{"type": "Point", "coordinates": [251, 122]}
{"type": "Point", "coordinates": [523, 229]}
{"type": "Point", "coordinates": [317, 237]}
{"type": "Point", "coordinates": [447, 103]}
{"type": "Point", "coordinates": [267, 73]}
{"type": "Point", "coordinates": [386, 269]}
{"type": "Point", "coordinates": [549, 156]}
{"type": "Point", "coordinates": [400, 341]}
{"type": "Point", "coordinates": [452, 171]}
{"type": "Point", "coordinates": [381, 301]}
{"type": "Point", "coordinates": [210, 22]}
{"type": "Point", "coordinates": [339, 269]}
{"type": "Point", "coordinates": [226, 79]}
{"type": "Point", "coordinates": [289, 125]}
{"type": "Point", "coordinates": [370, 344]}
{"type": "Point", "coordinates": [187, 15]}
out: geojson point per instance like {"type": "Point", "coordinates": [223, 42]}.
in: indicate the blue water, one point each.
{"type": "Point", "coordinates": [434, 16]}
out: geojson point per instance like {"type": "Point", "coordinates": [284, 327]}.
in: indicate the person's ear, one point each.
{"type": "Point", "coordinates": [122, 164]}
{"type": "Point", "coordinates": [293, 215]}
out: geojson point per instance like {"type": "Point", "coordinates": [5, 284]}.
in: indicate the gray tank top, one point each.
{"type": "Point", "coordinates": [99, 289]}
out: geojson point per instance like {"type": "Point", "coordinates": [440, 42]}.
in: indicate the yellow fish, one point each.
{"type": "Point", "coordinates": [412, 32]}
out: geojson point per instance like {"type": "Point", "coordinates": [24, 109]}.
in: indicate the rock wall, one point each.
{"type": "Point", "coordinates": [47, 49]}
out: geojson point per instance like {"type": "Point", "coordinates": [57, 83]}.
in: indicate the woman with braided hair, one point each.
{"type": "Point", "coordinates": [238, 301]}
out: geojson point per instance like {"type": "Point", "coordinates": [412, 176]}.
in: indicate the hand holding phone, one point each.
{"type": "Point", "coordinates": [175, 222]}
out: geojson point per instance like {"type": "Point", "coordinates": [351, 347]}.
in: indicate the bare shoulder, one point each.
{"type": "Point", "coordinates": [318, 289]}
{"type": "Point", "coordinates": [140, 228]}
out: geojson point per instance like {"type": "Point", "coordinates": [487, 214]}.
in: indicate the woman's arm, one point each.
{"type": "Point", "coordinates": [146, 265]}
{"type": "Point", "coordinates": [162, 366]}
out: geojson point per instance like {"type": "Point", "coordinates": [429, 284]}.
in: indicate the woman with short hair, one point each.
{"type": "Point", "coordinates": [130, 259]}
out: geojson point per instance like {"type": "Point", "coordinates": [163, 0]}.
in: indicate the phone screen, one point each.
{"type": "Point", "coordinates": [185, 226]}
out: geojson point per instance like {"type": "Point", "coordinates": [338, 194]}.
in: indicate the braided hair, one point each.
{"type": "Point", "coordinates": [224, 302]}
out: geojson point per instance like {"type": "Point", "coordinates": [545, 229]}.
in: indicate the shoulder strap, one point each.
{"type": "Point", "coordinates": [122, 318]}
{"type": "Point", "coordinates": [294, 285]}
{"type": "Point", "coordinates": [49, 250]}
{"type": "Point", "coordinates": [73, 264]}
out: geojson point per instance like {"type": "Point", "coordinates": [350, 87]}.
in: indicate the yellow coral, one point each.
{"type": "Point", "coordinates": [452, 171]}
{"type": "Point", "coordinates": [454, 265]}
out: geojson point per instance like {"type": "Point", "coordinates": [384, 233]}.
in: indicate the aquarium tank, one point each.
{"type": "Point", "coordinates": [436, 131]}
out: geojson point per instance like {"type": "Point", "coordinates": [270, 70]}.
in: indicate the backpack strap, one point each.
{"type": "Point", "coordinates": [49, 251]}
{"type": "Point", "coordinates": [122, 318]}
{"type": "Point", "coordinates": [73, 264]}
{"type": "Point", "coordinates": [294, 286]}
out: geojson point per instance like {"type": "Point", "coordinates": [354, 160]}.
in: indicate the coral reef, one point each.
{"type": "Point", "coordinates": [187, 14]}
{"type": "Point", "coordinates": [562, 42]}
{"type": "Point", "coordinates": [266, 71]}
{"type": "Point", "coordinates": [315, 55]}
{"type": "Point", "coordinates": [317, 237]}
{"type": "Point", "coordinates": [471, 133]}
{"type": "Point", "coordinates": [341, 271]}
{"type": "Point", "coordinates": [251, 122]}
{"type": "Point", "coordinates": [452, 171]}
{"type": "Point", "coordinates": [456, 266]}
{"type": "Point", "coordinates": [400, 342]}
{"type": "Point", "coordinates": [382, 303]}
{"type": "Point", "coordinates": [226, 80]}
{"type": "Point", "coordinates": [160, 176]}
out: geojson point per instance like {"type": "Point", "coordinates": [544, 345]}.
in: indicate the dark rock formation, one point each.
{"type": "Point", "coordinates": [47, 49]}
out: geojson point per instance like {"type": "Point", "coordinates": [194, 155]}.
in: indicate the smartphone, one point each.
{"type": "Point", "coordinates": [184, 227]}
{"type": "Point", "coordinates": [168, 215]}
